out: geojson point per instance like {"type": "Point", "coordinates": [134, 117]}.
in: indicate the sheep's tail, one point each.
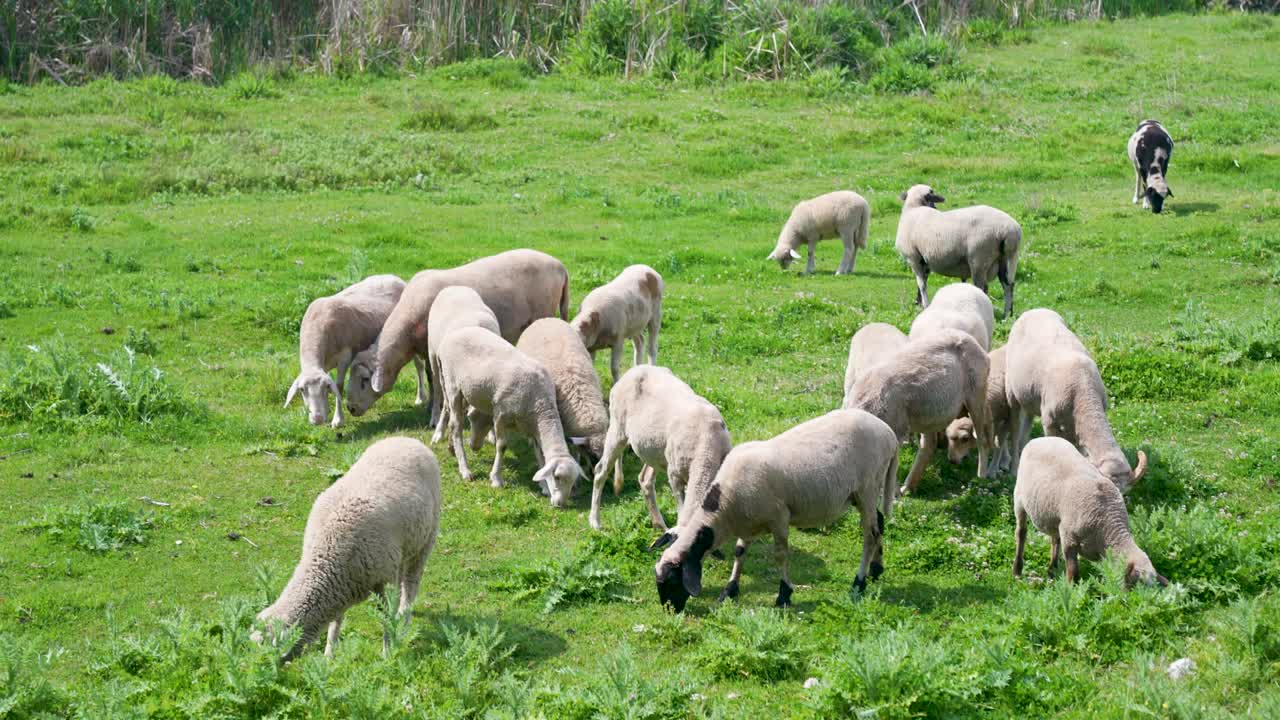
{"type": "Point", "coordinates": [1007, 269]}
{"type": "Point", "coordinates": [864, 226]}
{"type": "Point", "coordinates": [890, 486]}
{"type": "Point", "coordinates": [564, 299]}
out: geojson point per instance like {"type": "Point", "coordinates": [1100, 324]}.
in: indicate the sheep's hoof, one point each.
{"type": "Point", "coordinates": [495, 481]}
{"type": "Point", "coordinates": [859, 585]}
{"type": "Point", "coordinates": [730, 591]}
{"type": "Point", "coordinates": [876, 570]}
{"type": "Point", "coordinates": [784, 595]}
{"type": "Point", "coordinates": [903, 490]}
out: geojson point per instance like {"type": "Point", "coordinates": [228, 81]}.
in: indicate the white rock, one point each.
{"type": "Point", "coordinates": [1181, 668]}
{"type": "Point", "coordinates": [811, 683]}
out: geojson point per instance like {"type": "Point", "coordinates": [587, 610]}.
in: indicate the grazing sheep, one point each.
{"type": "Point", "coordinates": [923, 387]}
{"type": "Point", "coordinates": [961, 436]}
{"type": "Point", "coordinates": [871, 344]}
{"type": "Point", "coordinates": [1049, 372]}
{"type": "Point", "coordinates": [1079, 508]}
{"type": "Point", "coordinates": [555, 344]}
{"type": "Point", "coordinates": [841, 214]}
{"type": "Point", "coordinates": [806, 477]}
{"type": "Point", "coordinates": [515, 392]}
{"type": "Point", "coordinates": [623, 309]}
{"type": "Point", "coordinates": [455, 307]}
{"type": "Point", "coordinates": [375, 525]}
{"type": "Point", "coordinates": [360, 394]}
{"type": "Point", "coordinates": [958, 307]}
{"type": "Point", "coordinates": [519, 286]}
{"type": "Point", "coordinates": [1150, 148]}
{"type": "Point", "coordinates": [334, 329]}
{"type": "Point", "coordinates": [670, 427]}
{"type": "Point", "coordinates": [976, 242]}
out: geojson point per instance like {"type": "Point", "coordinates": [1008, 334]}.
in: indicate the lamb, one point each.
{"type": "Point", "coordinates": [334, 330]}
{"type": "Point", "coordinates": [519, 286]}
{"type": "Point", "coordinates": [555, 344]}
{"type": "Point", "coordinates": [1079, 508]}
{"type": "Point", "coordinates": [1049, 372]}
{"type": "Point", "coordinates": [841, 214]}
{"type": "Point", "coordinates": [515, 392]}
{"type": "Point", "coordinates": [959, 307]}
{"type": "Point", "coordinates": [923, 387]}
{"type": "Point", "coordinates": [961, 436]}
{"type": "Point", "coordinates": [974, 242]}
{"type": "Point", "coordinates": [376, 525]}
{"type": "Point", "coordinates": [670, 427]}
{"type": "Point", "coordinates": [455, 307]}
{"type": "Point", "coordinates": [871, 344]}
{"type": "Point", "coordinates": [806, 477]}
{"type": "Point", "coordinates": [623, 309]}
{"type": "Point", "coordinates": [1150, 148]}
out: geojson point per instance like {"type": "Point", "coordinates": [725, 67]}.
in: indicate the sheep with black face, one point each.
{"type": "Point", "coordinates": [1150, 148]}
{"type": "Point", "coordinates": [806, 477]}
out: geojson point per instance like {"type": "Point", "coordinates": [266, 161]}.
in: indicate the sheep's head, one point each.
{"type": "Point", "coordinates": [360, 394]}
{"type": "Point", "coordinates": [920, 196]}
{"type": "Point", "coordinates": [315, 386]}
{"type": "Point", "coordinates": [1118, 471]}
{"type": "Point", "coordinates": [558, 477]}
{"type": "Point", "coordinates": [784, 253]}
{"type": "Point", "coordinates": [678, 572]}
{"type": "Point", "coordinates": [1157, 191]}
{"type": "Point", "coordinates": [588, 327]}
{"type": "Point", "coordinates": [1140, 570]}
{"type": "Point", "coordinates": [961, 438]}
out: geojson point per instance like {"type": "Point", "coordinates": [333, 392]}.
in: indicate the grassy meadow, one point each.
{"type": "Point", "coordinates": [159, 241]}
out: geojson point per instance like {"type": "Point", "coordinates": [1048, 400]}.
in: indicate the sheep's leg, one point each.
{"type": "Point", "coordinates": [500, 446]}
{"type": "Point", "coordinates": [481, 427]}
{"type": "Point", "coordinates": [614, 445]}
{"type": "Point", "coordinates": [1055, 553]}
{"type": "Point", "coordinates": [782, 556]}
{"type": "Point", "coordinates": [654, 325]}
{"type": "Point", "coordinates": [457, 409]}
{"type": "Point", "coordinates": [731, 589]}
{"type": "Point", "coordinates": [650, 490]}
{"type": "Point", "coordinates": [1020, 539]}
{"type": "Point", "coordinates": [1137, 187]}
{"type": "Point", "coordinates": [435, 398]}
{"type": "Point", "coordinates": [1021, 428]}
{"type": "Point", "coordinates": [343, 364]}
{"type": "Point", "coordinates": [442, 422]}
{"type": "Point", "coordinates": [679, 482]}
{"type": "Point", "coordinates": [331, 641]}
{"type": "Point", "coordinates": [922, 286]}
{"type": "Point", "coordinates": [928, 441]}
{"type": "Point", "coordinates": [850, 255]}
{"type": "Point", "coordinates": [420, 367]}
{"type": "Point", "coordinates": [615, 359]}
{"type": "Point", "coordinates": [812, 263]}
{"type": "Point", "coordinates": [637, 349]}
{"type": "Point", "coordinates": [1073, 565]}
{"type": "Point", "coordinates": [871, 530]}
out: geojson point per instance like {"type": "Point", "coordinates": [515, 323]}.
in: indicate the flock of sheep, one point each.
{"type": "Point", "coordinates": [490, 339]}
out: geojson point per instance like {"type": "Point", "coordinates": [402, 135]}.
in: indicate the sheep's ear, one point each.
{"type": "Point", "coordinates": [935, 198]}
{"type": "Point", "coordinates": [902, 196]}
{"type": "Point", "coordinates": [293, 390]}
{"type": "Point", "coordinates": [1130, 574]}
{"type": "Point", "coordinates": [667, 538]}
{"type": "Point", "coordinates": [1168, 191]}
{"type": "Point", "coordinates": [1164, 581]}
{"type": "Point", "coordinates": [794, 255]}
{"type": "Point", "coordinates": [333, 386]}
{"type": "Point", "coordinates": [691, 575]}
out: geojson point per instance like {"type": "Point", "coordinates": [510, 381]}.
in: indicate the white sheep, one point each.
{"type": "Point", "coordinates": [1079, 508]}
{"type": "Point", "coordinates": [670, 428]}
{"type": "Point", "coordinates": [456, 306]}
{"type": "Point", "coordinates": [806, 477]}
{"type": "Point", "coordinates": [620, 310]}
{"type": "Point", "coordinates": [375, 526]}
{"type": "Point", "coordinates": [555, 344]}
{"type": "Point", "coordinates": [840, 214]}
{"type": "Point", "coordinates": [959, 307]}
{"type": "Point", "coordinates": [961, 436]}
{"type": "Point", "coordinates": [923, 387]}
{"type": "Point", "coordinates": [515, 392]}
{"type": "Point", "coordinates": [871, 344]}
{"type": "Point", "coordinates": [519, 286]}
{"type": "Point", "coordinates": [978, 242]}
{"type": "Point", "coordinates": [334, 330]}
{"type": "Point", "coordinates": [1050, 373]}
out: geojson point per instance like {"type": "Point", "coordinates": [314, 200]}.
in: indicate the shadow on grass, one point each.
{"type": "Point", "coordinates": [532, 644]}
{"type": "Point", "coordinates": [932, 598]}
{"type": "Point", "coordinates": [1181, 209]}
{"type": "Point", "coordinates": [411, 421]}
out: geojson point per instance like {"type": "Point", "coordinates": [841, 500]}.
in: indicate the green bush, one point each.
{"type": "Point", "coordinates": [576, 578]}
{"type": "Point", "coordinates": [439, 116]}
{"type": "Point", "coordinates": [96, 527]}
{"type": "Point", "coordinates": [252, 86]}
{"type": "Point", "coordinates": [1214, 562]}
{"type": "Point", "coordinates": [1153, 375]}
{"type": "Point", "coordinates": [759, 643]}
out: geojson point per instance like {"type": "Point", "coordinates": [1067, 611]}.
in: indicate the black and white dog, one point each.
{"type": "Point", "coordinates": [1149, 149]}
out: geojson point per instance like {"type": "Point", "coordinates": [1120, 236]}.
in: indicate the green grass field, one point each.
{"type": "Point", "coordinates": [193, 224]}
